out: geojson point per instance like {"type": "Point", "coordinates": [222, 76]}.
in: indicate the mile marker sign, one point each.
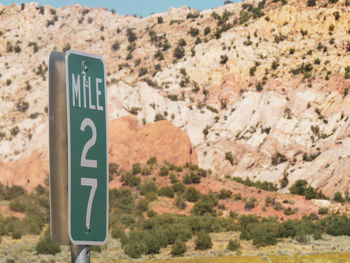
{"type": "Point", "coordinates": [87, 149]}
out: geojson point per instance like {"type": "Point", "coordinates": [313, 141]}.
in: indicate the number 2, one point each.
{"type": "Point", "coordinates": [91, 142]}
{"type": "Point", "coordinates": [93, 183]}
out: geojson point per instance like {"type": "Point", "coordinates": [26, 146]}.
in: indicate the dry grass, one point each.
{"type": "Point", "coordinates": [320, 258]}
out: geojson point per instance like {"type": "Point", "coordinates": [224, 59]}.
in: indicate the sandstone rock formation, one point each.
{"type": "Point", "coordinates": [256, 80]}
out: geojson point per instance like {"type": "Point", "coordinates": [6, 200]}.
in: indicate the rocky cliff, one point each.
{"type": "Point", "coordinates": [259, 87]}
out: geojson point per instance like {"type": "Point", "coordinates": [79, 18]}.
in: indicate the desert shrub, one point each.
{"type": "Point", "coordinates": [121, 201]}
{"type": "Point", "coordinates": [118, 231]}
{"type": "Point", "coordinates": [142, 205]}
{"type": "Point", "coordinates": [192, 178]}
{"type": "Point", "coordinates": [262, 233]}
{"type": "Point", "coordinates": [192, 194]}
{"type": "Point", "coordinates": [163, 171]}
{"type": "Point", "coordinates": [179, 52]}
{"type": "Point", "coordinates": [11, 192]}
{"type": "Point", "coordinates": [245, 220]}
{"type": "Point", "coordinates": [134, 249]}
{"type": "Point", "coordinates": [323, 211]}
{"type": "Point", "coordinates": [225, 194]}
{"type": "Point", "coordinates": [160, 20]}
{"type": "Point", "coordinates": [194, 32]}
{"type": "Point", "coordinates": [203, 241]}
{"type": "Point", "coordinates": [115, 46]}
{"type": "Point", "coordinates": [251, 203]}
{"type": "Point", "coordinates": [152, 161]}
{"type": "Point", "coordinates": [178, 248]}
{"type": "Point", "coordinates": [17, 49]}
{"type": "Point", "coordinates": [142, 72]}
{"type": "Point", "coordinates": [47, 246]}
{"type": "Point", "coordinates": [130, 179]}
{"type": "Point", "coordinates": [338, 197]}
{"type": "Point", "coordinates": [151, 242]}
{"type": "Point", "coordinates": [179, 188]}
{"type": "Point", "coordinates": [148, 187]}
{"type": "Point", "coordinates": [206, 30]}
{"type": "Point", "coordinates": [166, 191]}
{"type": "Point", "coordinates": [131, 35]}
{"type": "Point", "coordinates": [287, 229]}
{"type": "Point", "coordinates": [173, 179]}
{"type": "Point", "coordinates": [180, 203]}
{"type": "Point", "coordinates": [136, 168]}
{"type": "Point", "coordinates": [311, 3]}
{"type": "Point", "coordinates": [284, 181]}
{"type": "Point", "coordinates": [336, 225]}
{"type": "Point", "coordinates": [205, 206]}
{"type": "Point", "coordinates": [223, 59]}
{"type": "Point", "coordinates": [279, 158]}
{"type": "Point", "coordinates": [16, 234]}
{"type": "Point", "coordinates": [233, 245]}
{"type": "Point", "coordinates": [229, 157]}
{"type": "Point", "coordinates": [300, 187]}
{"type": "Point", "coordinates": [16, 205]}
{"type": "Point", "coordinates": [22, 106]}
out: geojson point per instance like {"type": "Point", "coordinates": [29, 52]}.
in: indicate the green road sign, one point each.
{"type": "Point", "coordinates": [87, 149]}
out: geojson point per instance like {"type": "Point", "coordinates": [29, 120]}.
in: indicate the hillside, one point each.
{"type": "Point", "coordinates": [265, 83]}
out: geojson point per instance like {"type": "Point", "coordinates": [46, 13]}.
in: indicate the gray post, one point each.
{"type": "Point", "coordinates": [80, 253]}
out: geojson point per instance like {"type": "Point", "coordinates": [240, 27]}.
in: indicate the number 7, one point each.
{"type": "Point", "coordinates": [93, 183]}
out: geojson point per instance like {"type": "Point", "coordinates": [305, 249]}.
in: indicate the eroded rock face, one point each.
{"type": "Point", "coordinates": [131, 143]}
{"type": "Point", "coordinates": [232, 93]}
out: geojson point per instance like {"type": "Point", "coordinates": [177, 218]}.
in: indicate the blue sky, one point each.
{"type": "Point", "coordinates": [137, 7]}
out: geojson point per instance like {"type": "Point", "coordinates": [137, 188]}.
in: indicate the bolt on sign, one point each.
{"type": "Point", "coordinates": [87, 148]}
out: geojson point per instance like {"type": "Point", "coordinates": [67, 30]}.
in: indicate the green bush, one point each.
{"type": "Point", "coordinates": [205, 206]}
{"type": "Point", "coordinates": [131, 35]}
{"type": "Point", "coordinates": [142, 205]}
{"type": "Point", "coordinates": [133, 249]}
{"type": "Point", "coordinates": [192, 194]}
{"type": "Point", "coordinates": [233, 245]}
{"type": "Point", "coordinates": [323, 211]}
{"type": "Point", "coordinates": [229, 157]}
{"type": "Point", "coordinates": [336, 225]}
{"type": "Point", "coordinates": [287, 229]}
{"type": "Point", "coordinates": [203, 241]}
{"type": "Point", "coordinates": [178, 248]}
{"type": "Point", "coordinates": [179, 188]}
{"type": "Point", "coordinates": [17, 206]}
{"type": "Point", "coordinates": [179, 52]}
{"type": "Point", "coordinates": [166, 191]}
{"type": "Point", "coordinates": [180, 203]}
{"type": "Point", "coordinates": [151, 242]}
{"type": "Point", "coordinates": [279, 158]}
{"type": "Point", "coordinates": [300, 187]}
{"type": "Point", "coordinates": [338, 197]}
{"type": "Point", "coordinates": [173, 178]}
{"type": "Point", "coordinates": [251, 203]}
{"type": "Point", "coordinates": [163, 171]}
{"type": "Point", "coordinates": [262, 234]}
{"type": "Point", "coordinates": [225, 194]}
{"type": "Point", "coordinates": [148, 187]}
{"type": "Point", "coordinates": [136, 168]}
{"type": "Point", "coordinates": [47, 246]}
{"type": "Point", "coordinates": [130, 179]}
{"type": "Point", "coordinates": [192, 178]}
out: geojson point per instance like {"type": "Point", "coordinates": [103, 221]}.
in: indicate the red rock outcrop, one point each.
{"type": "Point", "coordinates": [129, 143]}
